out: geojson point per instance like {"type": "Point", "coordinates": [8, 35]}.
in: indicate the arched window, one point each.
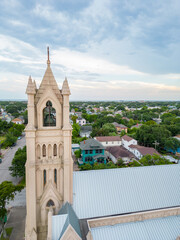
{"type": "Point", "coordinates": [44, 175]}
{"type": "Point", "coordinates": [44, 150]}
{"type": "Point", "coordinates": [49, 115]}
{"type": "Point", "coordinates": [49, 151]}
{"type": "Point", "coordinates": [55, 150]}
{"type": "Point", "coordinates": [50, 203]}
{"type": "Point", "coordinates": [55, 176]}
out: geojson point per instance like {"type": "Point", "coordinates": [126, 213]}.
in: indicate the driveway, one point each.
{"type": "Point", "coordinates": [6, 162]}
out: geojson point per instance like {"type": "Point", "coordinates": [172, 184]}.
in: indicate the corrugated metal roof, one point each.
{"type": "Point", "coordinates": [58, 222]}
{"type": "Point", "coordinates": [116, 191]}
{"type": "Point", "coordinates": [167, 228]}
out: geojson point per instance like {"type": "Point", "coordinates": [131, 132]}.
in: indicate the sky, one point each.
{"type": "Point", "coordinates": [108, 49]}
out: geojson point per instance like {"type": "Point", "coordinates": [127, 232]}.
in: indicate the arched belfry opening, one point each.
{"type": "Point", "coordinates": [50, 203]}
{"type": "Point", "coordinates": [49, 115]}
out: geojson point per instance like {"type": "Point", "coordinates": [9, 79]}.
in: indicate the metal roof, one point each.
{"type": "Point", "coordinates": [58, 222]}
{"type": "Point", "coordinates": [116, 191]}
{"type": "Point", "coordinates": [167, 228]}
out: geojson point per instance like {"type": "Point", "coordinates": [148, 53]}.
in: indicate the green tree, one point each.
{"type": "Point", "coordinates": [172, 144]}
{"type": "Point", "coordinates": [7, 193]}
{"type": "Point", "coordinates": [17, 167]}
{"type": "Point", "coordinates": [85, 166]}
{"type": "Point", "coordinates": [120, 163]}
{"type": "Point", "coordinates": [108, 128]}
{"type": "Point", "coordinates": [76, 130]}
{"type": "Point", "coordinates": [10, 139]}
{"type": "Point", "coordinates": [77, 153]}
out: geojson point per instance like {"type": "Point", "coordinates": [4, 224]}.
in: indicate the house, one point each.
{"type": "Point", "coordinates": [117, 152]}
{"type": "Point", "coordinates": [79, 114]}
{"type": "Point", "coordinates": [140, 151]}
{"type": "Point", "coordinates": [17, 121]}
{"type": "Point", "coordinates": [107, 141]}
{"type": "Point", "coordinates": [120, 127]}
{"type": "Point", "coordinates": [81, 121]}
{"type": "Point", "coordinates": [92, 151]}
{"type": "Point", "coordinates": [125, 118]}
{"type": "Point", "coordinates": [127, 141]}
{"type": "Point", "coordinates": [85, 131]}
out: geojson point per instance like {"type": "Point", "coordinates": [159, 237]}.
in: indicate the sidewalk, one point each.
{"type": "Point", "coordinates": [17, 221]}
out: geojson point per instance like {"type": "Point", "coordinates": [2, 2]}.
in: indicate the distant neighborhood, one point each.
{"type": "Point", "coordinates": [111, 133]}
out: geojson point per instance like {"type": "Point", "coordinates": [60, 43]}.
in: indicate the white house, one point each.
{"type": "Point", "coordinates": [17, 121]}
{"type": "Point", "coordinates": [140, 151]}
{"type": "Point", "coordinates": [127, 141]}
{"type": "Point", "coordinates": [81, 121]}
{"type": "Point", "coordinates": [85, 131]}
{"type": "Point", "coordinates": [108, 141]}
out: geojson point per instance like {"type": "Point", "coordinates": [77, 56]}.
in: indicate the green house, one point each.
{"type": "Point", "coordinates": [92, 151]}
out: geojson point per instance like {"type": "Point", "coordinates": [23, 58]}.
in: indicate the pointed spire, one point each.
{"type": "Point", "coordinates": [65, 87]}
{"type": "Point", "coordinates": [30, 87]}
{"type": "Point", "coordinates": [34, 83]}
{"type": "Point", "coordinates": [48, 61]}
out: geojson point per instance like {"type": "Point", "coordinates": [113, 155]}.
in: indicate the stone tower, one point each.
{"type": "Point", "coordinates": [49, 166]}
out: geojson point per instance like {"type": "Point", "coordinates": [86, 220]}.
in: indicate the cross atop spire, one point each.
{"type": "Point", "coordinates": [48, 61]}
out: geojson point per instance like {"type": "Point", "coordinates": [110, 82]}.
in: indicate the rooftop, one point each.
{"type": "Point", "coordinates": [107, 192]}
{"type": "Point", "coordinates": [108, 138]}
{"type": "Point", "coordinates": [144, 150]}
{"type": "Point", "coordinates": [127, 138]}
{"type": "Point", "coordinates": [159, 228]}
{"type": "Point", "coordinates": [119, 152]}
{"type": "Point", "coordinates": [90, 144]}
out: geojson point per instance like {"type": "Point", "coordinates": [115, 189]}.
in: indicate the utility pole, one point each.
{"type": "Point", "coordinates": [156, 144]}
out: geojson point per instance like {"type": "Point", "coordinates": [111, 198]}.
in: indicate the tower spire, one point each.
{"type": "Point", "coordinates": [48, 61]}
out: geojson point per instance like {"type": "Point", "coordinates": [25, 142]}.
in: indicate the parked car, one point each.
{"type": "Point", "coordinates": [0, 160]}
{"type": "Point", "coordinates": [19, 138]}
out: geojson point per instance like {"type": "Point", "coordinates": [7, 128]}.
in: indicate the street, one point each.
{"type": "Point", "coordinates": [6, 162]}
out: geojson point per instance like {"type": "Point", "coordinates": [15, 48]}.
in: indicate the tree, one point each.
{"type": "Point", "coordinates": [9, 140]}
{"type": "Point", "coordinates": [76, 130]}
{"type": "Point", "coordinates": [154, 159]}
{"type": "Point", "coordinates": [108, 128]}
{"type": "Point", "coordinates": [120, 163]}
{"type": "Point", "coordinates": [7, 193]}
{"type": "Point", "coordinates": [172, 144]}
{"type": "Point", "coordinates": [17, 167]}
{"type": "Point", "coordinates": [78, 153]}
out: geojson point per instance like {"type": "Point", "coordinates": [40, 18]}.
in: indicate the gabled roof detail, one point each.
{"type": "Point", "coordinates": [48, 81]}
{"type": "Point", "coordinates": [71, 219]}
{"type": "Point", "coordinates": [65, 87]}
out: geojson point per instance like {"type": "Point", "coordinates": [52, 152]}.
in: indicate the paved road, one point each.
{"type": "Point", "coordinates": [6, 163]}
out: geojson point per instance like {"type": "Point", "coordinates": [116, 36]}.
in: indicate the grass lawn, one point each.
{"type": "Point", "coordinates": [8, 231]}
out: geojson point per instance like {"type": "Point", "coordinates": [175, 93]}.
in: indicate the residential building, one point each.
{"type": "Point", "coordinates": [92, 151]}
{"type": "Point", "coordinates": [138, 125]}
{"type": "Point", "coordinates": [85, 131]}
{"type": "Point", "coordinates": [17, 121]}
{"type": "Point", "coordinates": [81, 121]}
{"type": "Point", "coordinates": [117, 152]}
{"type": "Point", "coordinates": [127, 141]}
{"type": "Point", "coordinates": [140, 151]}
{"type": "Point", "coordinates": [120, 127]}
{"type": "Point", "coordinates": [107, 141]}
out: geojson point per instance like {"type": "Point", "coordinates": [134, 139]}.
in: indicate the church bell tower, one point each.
{"type": "Point", "coordinates": [49, 166]}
